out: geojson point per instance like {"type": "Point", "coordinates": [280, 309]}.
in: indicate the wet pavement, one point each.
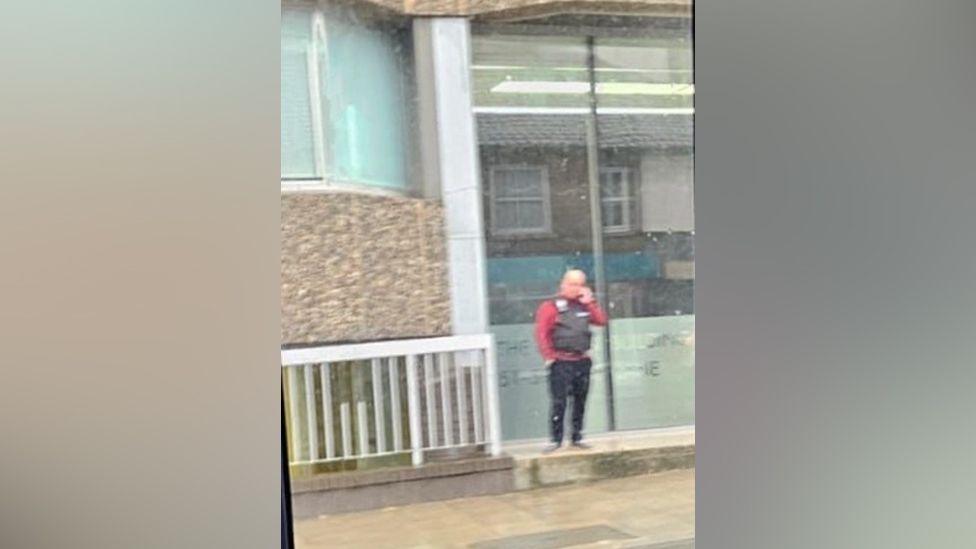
{"type": "Point", "coordinates": [650, 511]}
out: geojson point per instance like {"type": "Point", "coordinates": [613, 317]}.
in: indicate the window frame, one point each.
{"type": "Point", "coordinates": [626, 198]}
{"type": "Point", "coordinates": [546, 228]}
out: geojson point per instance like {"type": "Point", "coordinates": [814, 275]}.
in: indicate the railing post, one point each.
{"type": "Point", "coordinates": [491, 387]}
{"type": "Point", "coordinates": [413, 411]}
{"type": "Point", "coordinates": [296, 442]}
{"type": "Point", "coordinates": [346, 430]}
{"type": "Point", "coordinates": [431, 406]}
{"type": "Point", "coordinates": [326, 374]}
{"type": "Point", "coordinates": [395, 404]}
{"type": "Point", "coordinates": [310, 413]}
{"type": "Point", "coordinates": [378, 415]}
{"type": "Point", "coordinates": [477, 396]}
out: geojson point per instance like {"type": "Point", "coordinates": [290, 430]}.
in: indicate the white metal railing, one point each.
{"type": "Point", "coordinates": [451, 387]}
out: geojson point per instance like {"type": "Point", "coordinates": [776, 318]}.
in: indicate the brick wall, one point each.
{"type": "Point", "coordinates": [360, 268]}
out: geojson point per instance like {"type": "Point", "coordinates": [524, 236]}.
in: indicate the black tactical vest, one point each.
{"type": "Point", "coordinates": [572, 331]}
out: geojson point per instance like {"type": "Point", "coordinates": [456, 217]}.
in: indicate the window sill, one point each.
{"type": "Point", "coordinates": [318, 186]}
{"type": "Point", "coordinates": [523, 236]}
{"type": "Point", "coordinates": [630, 231]}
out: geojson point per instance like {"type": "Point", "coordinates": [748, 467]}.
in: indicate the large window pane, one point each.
{"type": "Point", "coordinates": [297, 145]}
{"type": "Point", "coordinates": [365, 94]}
{"type": "Point", "coordinates": [345, 96]}
{"type": "Point", "coordinates": [531, 102]}
{"type": "Point", "coordinates": [535, 97]}
{"type": "Point", "coordinates": [645, 99]}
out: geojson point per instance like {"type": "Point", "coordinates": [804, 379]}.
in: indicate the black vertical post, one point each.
{"type": "Point", "coordinates": [287, 534]}
{"type": "Point", "coordinates": [596, 223]}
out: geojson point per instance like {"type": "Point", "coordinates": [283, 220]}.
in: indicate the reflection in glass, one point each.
{"type": "Point", "coordinates": [645, 98]}
{"type": "Point", "coordinates": [529, 93]}
{"type": "Point", "coordinates": [550, 101]}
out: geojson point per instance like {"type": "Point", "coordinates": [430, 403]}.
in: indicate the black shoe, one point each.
{"type": "Point", "coordinates": [579, 444]}
{"type": "Point", "coordinates": [551, 448]}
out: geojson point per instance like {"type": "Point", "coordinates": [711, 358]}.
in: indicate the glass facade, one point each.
{"type": "Point", "coordinates": [560, 142]}
{"type": "Point", "coordinates": [585, 139]}
{"type": "Point", "coordinates": [585, 145]}
{"type": "Point", "coordinates": [345, 89]}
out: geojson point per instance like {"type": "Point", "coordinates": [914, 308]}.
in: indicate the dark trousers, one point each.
{"type": "Point", "coordinates": [568, 378]}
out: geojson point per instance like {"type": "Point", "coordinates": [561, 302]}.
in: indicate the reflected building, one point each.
{"type": "Point", "coordinates": [442, 164]}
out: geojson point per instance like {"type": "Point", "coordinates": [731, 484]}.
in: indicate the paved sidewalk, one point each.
{"type": "Point", "coordinates": [642, 511]}
{"type": "Point", "coordinates": [616, 441]}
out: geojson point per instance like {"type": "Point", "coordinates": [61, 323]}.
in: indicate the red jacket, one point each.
{"type": "Point", "coordinates": [545, 320]}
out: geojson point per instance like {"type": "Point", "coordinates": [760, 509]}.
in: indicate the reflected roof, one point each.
{"type": "Point", "coordinates": [615, 130]}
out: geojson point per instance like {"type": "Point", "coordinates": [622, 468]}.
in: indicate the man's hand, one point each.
{"type": "Point", "coordinates": [549, 363]}
{"type": "Point", "coordinates": [586, 296]}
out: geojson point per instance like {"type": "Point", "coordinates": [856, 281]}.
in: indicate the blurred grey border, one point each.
{"type": "Point", "coordinates": [139, 310]}
{"type": "Point", "coordinates": [836, 296]}
{"type": "Point", "coordinates": [140, 274]}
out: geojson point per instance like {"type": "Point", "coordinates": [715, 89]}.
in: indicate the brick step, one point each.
{"type": "Point", "coordinates": [378, 488]}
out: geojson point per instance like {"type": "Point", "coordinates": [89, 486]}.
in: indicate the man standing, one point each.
{"type": "Point", "coordinates": [562, 331]}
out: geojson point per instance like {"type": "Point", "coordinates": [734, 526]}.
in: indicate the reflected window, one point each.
{"type": "Point", "coordinates": [617, 200]}
{"type": "Point", "coordinates": [519, 200]}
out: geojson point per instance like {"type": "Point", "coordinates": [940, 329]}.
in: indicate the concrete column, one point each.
{"type": "Point", "coordinates": [449, 151]}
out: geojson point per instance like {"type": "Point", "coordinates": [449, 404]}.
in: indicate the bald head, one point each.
{"type": "Point", "coordinates": [572, 284]}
